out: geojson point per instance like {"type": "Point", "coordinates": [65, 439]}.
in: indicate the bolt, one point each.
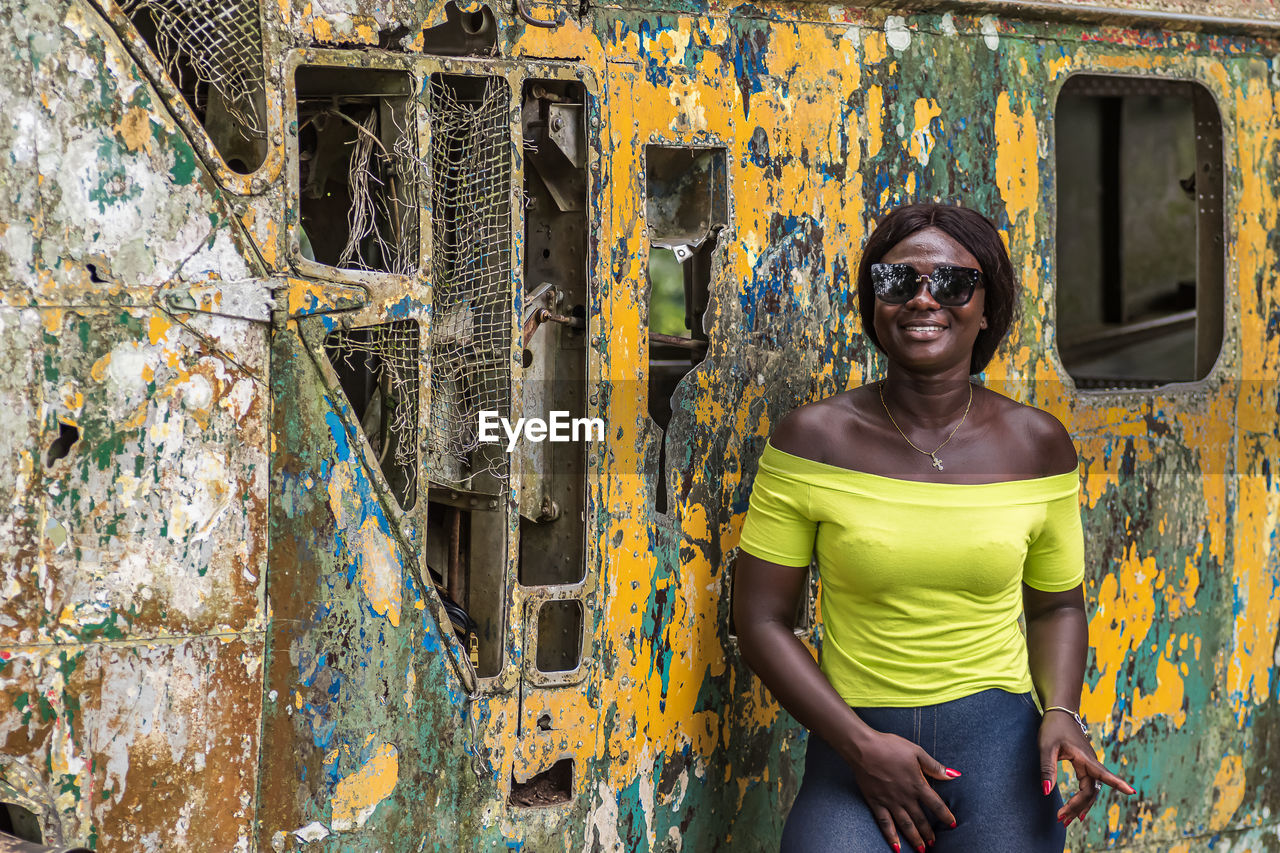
{"type": "Point", "coordinates": [557, 124]}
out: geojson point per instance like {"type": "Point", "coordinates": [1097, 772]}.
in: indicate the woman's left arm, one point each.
{"type": "Point", "coordinates": [1057, 643]}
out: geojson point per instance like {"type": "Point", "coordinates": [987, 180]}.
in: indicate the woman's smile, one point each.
{"type": "Point", "coordinates": [923, 330]}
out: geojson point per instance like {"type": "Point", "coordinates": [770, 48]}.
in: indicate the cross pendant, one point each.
{"type": "Point", "coordinates": [937, 463]}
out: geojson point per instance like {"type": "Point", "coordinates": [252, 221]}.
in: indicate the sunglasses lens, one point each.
{"type": "Point", "coordinates": [894, 284]}
{"type": "Point", "coordinates": [953, 286]}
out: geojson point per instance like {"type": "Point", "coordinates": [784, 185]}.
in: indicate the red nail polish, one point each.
{"type": "Point", "coordinates": [953, 774]}
{"type": "Point", "coordinates": [895, 847]}
{"type": "Point", "coordinates": [1048, 786]}
{"type": "Point", "coordinates": [953, 825]}
{"type": "Point", "coordinates": [920, 849]}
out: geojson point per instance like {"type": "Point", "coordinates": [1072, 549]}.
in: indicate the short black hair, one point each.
{"type": "Point", "coordinates": [968, 228]}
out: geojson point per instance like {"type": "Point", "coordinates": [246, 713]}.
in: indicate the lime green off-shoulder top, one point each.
{"type": "Point", "coordinates": [921, 582]}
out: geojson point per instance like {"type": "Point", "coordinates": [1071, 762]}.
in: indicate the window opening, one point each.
{"type": "Point", "coordinates": [466, 553]}
{"type": "Point", "coordinates": [553, 483]}
{"type": "Point", "coordinates": [471, 272]}
{"type": "Point", "coordinates": [548, 788]}
{"type": "Point", "coordinates": [377, 368]}
{"type": "Point", "coordinates": [21, 823]}
{"type": "Point", "coordinates": [559, 636]}
{"type": "Point", "coordinates": [356, 168]}
{"type": "Point", "coordinates": [462, 33]}
{"type": "Point", "coordinates": [686, 207]}
{"type": "Point", "coordinates": [212, 51]}
{"type": "Point", "coordinates": [1139, 231]}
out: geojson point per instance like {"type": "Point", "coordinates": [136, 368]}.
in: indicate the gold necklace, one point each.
{"type": "Point", "coordinates": [932, 454]}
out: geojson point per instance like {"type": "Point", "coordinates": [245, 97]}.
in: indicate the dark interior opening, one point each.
{"type": "Point", "coordinates": [357, 169]}
{"type": "Point", "coordinates": [194, 51]}
{"type": "Point", "coordinates": [686, 207]}
{"type": "Point", "coordinates": [1139, 299]}
{"type": "Point", "coordinates": [559, 636]}
{"type": "Point", "coordinates": [548, 788]}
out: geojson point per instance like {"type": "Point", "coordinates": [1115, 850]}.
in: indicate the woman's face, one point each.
{"type": "Point", "coordinates": [922, 335]}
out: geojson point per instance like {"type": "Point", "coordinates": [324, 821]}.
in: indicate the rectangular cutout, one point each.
{"type": "Point", "coordinates": [553, 481]}
{"type": "Point", "coordinates": [470, 162]}
{"type": "Point", "coordinates": [559, 636]}
{"type": "Point", "coordinates": [686, 207]}
{"type": "Point", "coordinates": [357, 169]}
{"type": "Point", "coordinates": [1140, 298]}
{"type": "Point", "coordinates": [466, 554]}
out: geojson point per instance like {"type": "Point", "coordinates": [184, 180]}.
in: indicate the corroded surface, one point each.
{"type": "Point", "coordinates": [215, 632]}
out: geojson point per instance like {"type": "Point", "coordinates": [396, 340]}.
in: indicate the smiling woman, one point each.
{"type": "Point", "coordinates": [933, 720]}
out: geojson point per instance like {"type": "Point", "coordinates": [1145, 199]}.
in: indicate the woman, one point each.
{"type": "Point", "coordinates": [939, 511]}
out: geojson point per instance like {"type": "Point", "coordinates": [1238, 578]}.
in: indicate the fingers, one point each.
{"type": "Point", "coordinates": [887, 828]}
{"type": "Point", "coordinates": [936, 805]}
{"type": "Point", "coordinates": [1085, 763]}
{"type": "Point", "coordinates": [1105, 775]}
{"type": "Point", "coordinates": [910, 825]}
{"type": "Point", "coordinates": [930, 766]}
{"type": "Point", "coordinates": [1077, 808]}
{"type": "Point", "coordinates": [1048, 769]}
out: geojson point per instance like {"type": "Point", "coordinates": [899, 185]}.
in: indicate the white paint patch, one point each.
{"type": "Point", "coordinates": [221, 256]}
{"type": "Point", "coordinates": [990, 37]}
{"type": "Point", "coordinates": [602, 824]}
{"type": "Point", "coordinates": [896, 32]}
{"type": "Point", "coordinates": [18, 245]}
{"type": "Point", "coordinates": [948, 25]}
{"type": "Point", "coordinates": [314, 831]}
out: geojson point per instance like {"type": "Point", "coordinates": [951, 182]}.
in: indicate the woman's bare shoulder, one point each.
{"type": "Point", "coordinates": [821, 430]}
{"type": "Point", "coordinates": [814, 430]}
{"type": "Point", "coordinates": [1044, 440]}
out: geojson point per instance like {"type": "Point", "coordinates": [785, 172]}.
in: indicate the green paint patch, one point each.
{"type": "Point", "coordinates": [184, 166]}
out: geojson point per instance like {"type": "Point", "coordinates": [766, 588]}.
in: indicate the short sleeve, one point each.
{"type": "Point", "coordinates": [778, 527]}
{"type": "Point", "coordinates": [1055, 558]}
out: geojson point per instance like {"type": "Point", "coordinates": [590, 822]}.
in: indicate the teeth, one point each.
{"type": "Point", "coordinates": [923, 328]}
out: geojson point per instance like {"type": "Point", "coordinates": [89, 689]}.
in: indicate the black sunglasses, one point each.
{"type": "Point", "coordinates": [951, 287]}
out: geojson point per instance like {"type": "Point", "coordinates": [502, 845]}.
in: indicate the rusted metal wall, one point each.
{"type": "Point", "coordinates": [216, 629]}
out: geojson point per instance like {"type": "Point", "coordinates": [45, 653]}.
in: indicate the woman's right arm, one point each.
{"type": "Point", "coordinates": [890, 770]}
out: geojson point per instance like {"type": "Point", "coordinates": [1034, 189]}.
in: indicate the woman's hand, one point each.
{"type": "Point", "coordinates": [891, 775]}
{"type": "Point", "coordinates": [1062, 740]}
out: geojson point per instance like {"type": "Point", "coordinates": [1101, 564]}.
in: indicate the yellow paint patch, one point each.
{"type": "Point", "coordinates": [1228, 786]}
{"type": "Point", "coordinates": [1017, 169]}
{"type": "Point", "coordinates": [921, 142]}
{"type": "Point", "coordinates": [135, 129]}
{"type": "Point", "coordinates": [874, 48]}
{"type": "Point", "coordinates": [157, 328]}
{"type": "Point", "coordinates": [356, 796]}
{"type": "Point", "coordinates": [875, 119]}
{"type": "Point", "coordinates": [99, 369]}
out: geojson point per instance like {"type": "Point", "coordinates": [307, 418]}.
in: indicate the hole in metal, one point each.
{"type": "Point", "coordinates": [68, 434]}
{"type": "Point", "coordinates": [548, 788]}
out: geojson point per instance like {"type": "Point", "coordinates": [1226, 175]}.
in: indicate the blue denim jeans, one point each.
{"type": "Point", "coordinates": [998, 801]}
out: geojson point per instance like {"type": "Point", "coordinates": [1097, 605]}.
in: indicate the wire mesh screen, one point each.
{"type": "Point", "coordinates": [377, 367]}
{"type": "Point", "coordinates": [470, 169]}
{"type": "Point", "coordinates": [219, 41]}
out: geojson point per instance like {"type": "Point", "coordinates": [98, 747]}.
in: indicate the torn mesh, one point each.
{"type": "Point", "coordinates": [378, 366]}
{"type": "Point", "coordinates": [221, 41]}
{"type": "Point", "coordinates": [470, 178]}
